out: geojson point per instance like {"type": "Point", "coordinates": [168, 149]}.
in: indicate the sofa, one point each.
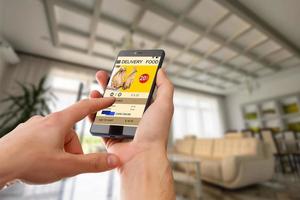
{"type": "Point", "coordinates": [230, 163]}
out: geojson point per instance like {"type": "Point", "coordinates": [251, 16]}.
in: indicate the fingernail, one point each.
{"type": "Point", "coordinates": [112, 161]}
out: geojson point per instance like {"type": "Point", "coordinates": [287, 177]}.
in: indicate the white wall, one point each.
{"type": "Point", "coordinates": [2, 66]}
{"type": "Point", "coordinates": [1, 16]}
{"type": "Point", "coordinates": [2, 61]}
{"type": "Point", "coordinates": [279, 85]}
{"type": "Point", "coordinates": [2, 71]}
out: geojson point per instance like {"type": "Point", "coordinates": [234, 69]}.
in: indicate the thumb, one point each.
{"type": "Point", "coordinates": [73, 164]}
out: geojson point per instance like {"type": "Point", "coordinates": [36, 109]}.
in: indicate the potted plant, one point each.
{"type": "Point", "coordinates": [33, 100]}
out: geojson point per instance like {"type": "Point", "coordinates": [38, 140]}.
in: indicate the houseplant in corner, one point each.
{"type": "Point", "coordinates": [32, 100]}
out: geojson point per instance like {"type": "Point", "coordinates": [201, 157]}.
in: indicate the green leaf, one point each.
{"type": "Point", "coordinates": [32, 100]}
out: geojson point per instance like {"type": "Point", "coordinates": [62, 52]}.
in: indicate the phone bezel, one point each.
{"type": "Point", "coordinates": [113, 131]}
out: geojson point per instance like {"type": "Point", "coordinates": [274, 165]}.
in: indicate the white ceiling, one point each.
{"type": "Point", "coordinates": [209, 46]}
{"type": "Point", "coordinates": [281, 15]}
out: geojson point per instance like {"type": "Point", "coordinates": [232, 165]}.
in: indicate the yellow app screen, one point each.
{"type": "Point", "coordinates": [130, 83]}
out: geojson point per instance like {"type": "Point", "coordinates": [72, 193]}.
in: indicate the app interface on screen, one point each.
{"type": "Point", "coordinates": [130, 83]}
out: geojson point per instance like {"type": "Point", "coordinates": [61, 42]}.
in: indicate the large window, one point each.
{"type": "Point", "coordinates": [196, 115]}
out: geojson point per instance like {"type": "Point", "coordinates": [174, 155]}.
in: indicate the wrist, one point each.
{"type": "Point", "coordinates": [148, 174]}
{"type": "Point", "coordinates": [143, 159]}
{"type": "Point", "coordinates": [11, 162]}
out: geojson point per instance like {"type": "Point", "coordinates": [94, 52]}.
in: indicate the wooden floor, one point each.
{"type": "Point", "coordinates": [283, 187]}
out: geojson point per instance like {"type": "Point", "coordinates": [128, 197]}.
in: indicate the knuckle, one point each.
{"type": "Point", "coordinates": [88, 110]}
{"type": "Point", "coordinates": [87, 105]}
{"type": "Point", "coordinates": [20, 125]}
{"type": "Point", "coordinates": [171, 86]}
{"type": "Point", "coordinates": [96, 164]}
{"type": "Point", "coordinates": [84, 101]}
{"type": "Point", "coordinates": [36, 117]}
{"type": "Point", "coordinates": [55, 117]}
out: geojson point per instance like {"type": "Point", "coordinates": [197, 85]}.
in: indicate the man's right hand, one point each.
{"type": "Point", "coordinates": [145, 170]}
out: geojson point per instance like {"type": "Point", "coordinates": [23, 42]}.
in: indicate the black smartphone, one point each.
{"type": "Point", "coordinates": [132, 83]}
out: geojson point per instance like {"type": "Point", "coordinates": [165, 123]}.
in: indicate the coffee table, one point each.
{"type": "Point", "coordinates": [185, 177]}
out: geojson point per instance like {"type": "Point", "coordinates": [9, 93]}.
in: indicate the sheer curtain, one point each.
{"type": "Point", "coordinates": [197, 115]}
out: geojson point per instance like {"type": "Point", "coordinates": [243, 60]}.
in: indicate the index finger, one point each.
{"type": "Point", "coordinates": [83, 108]}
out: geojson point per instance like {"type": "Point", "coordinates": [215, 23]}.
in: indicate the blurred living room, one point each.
{"type": "Point", "coordinates": [234, 64]}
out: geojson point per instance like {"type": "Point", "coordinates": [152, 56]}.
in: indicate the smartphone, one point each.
{"type": "Point", "coordinates": [132, 83]}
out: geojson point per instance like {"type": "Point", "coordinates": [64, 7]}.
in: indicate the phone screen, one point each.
{"type": "Point", "coordinates": [130, 83]}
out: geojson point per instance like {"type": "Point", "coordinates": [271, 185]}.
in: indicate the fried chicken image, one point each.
{"type": "Point", "coordinates": [120, 80]}
{"type": "Point", "coordinates": [129, 79]}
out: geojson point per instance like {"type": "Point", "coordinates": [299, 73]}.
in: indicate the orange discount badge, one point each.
{"type": "Point", "coordinates": [144, 78]}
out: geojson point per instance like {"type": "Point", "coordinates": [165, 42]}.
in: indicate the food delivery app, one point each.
{"type": "Point", "coordinates": [131, 81]}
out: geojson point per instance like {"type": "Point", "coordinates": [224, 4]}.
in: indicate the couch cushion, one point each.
{"type": "Point", "coordinates": [228, 147]}
{"type": "Point", "coordinates": [230, 168]}
{"type": "Point", "coordinates": [234, 136]}
{"type": "Point", "coordinates": [185, 146]}
{"type": "Point", "coordinates": [203, 148]}
{"type": "Point", "coordinates": [211, 170]}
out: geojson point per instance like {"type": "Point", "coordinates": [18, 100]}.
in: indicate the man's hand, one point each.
{"type": "Point", "coordinates": [46, 149]}
{"type": "Point", "coordinates": [145, 171]}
